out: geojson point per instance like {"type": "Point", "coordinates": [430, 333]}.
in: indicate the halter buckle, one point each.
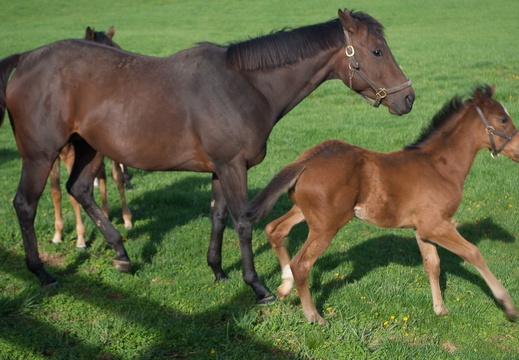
{"type": "Point", "coordinates": [381, 93]}
{"type": "Point", "coordinates": [350, 51]}
{"type": "Point", "coordinates": [490, 130]}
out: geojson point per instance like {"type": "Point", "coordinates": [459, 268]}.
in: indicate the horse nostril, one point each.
{"type": "Point", "coordinates": [409, 100]}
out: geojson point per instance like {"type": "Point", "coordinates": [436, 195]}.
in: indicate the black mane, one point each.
{"type": "Point", "coordinates": [289, 46]}
{"type": "Point", "coordinates": [450, 108]}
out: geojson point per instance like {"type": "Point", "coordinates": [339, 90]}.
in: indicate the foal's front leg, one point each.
{"type": "Point", "coordinates": [277, 231]}
{"type": "Point", "coordinates": [431, 263]}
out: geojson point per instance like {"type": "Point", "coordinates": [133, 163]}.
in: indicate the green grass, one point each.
{"type": "Point", "coordinates": [170, 307]}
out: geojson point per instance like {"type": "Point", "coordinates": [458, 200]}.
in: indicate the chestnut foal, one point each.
{"type": "Point", "coordinates": [419, 187]}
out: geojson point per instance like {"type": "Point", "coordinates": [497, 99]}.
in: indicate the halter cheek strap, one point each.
{"type": "Point", "coordinates": [491, 132]}
{"type": "Point", "coordinates": [354, 66]}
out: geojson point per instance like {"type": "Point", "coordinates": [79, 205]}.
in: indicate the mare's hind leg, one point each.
{"type": "Point", "coordinates": [101, 176]}
{"type": "Point", "coordinates": [277, 231]}
{"type": "Point", "coordinates": [79, 185]}
{"type": "Point", "coordinates": [219, 216]}
{"type": "Point", "coordinates": [32, 183]}
{"type": "Point", "coordinates": [118, 176]}
{"type": "Point", "coordinates": [431, 263]}
{"type": "Point", "coordinates": [448, 237]}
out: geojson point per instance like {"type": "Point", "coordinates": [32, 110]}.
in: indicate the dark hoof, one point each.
{"type": "Point", "coordinates": [267, 299]}
{"type": "Point", "coordinates": [122, 266]}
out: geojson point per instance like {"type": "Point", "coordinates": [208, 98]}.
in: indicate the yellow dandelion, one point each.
{"type": "Point", "coordinates": [328, 309]}
{"type": "Point", "coordinates": [406, 334]}
{"type": "Point", "coordinates": [392, 317]}
{"type": "Point", "coordinates": [336, 275]}
{"type": "Point", "coordinates": [405, 318]}
{"type": "Point", "coordinates": [363, 298]}
{"type": "Point", "coordinates": [386, 322]}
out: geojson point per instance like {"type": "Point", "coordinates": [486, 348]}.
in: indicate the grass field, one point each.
{"type": "Point", "coordinates": [369, 285]}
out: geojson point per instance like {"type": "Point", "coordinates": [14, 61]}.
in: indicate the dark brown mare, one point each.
{"type": "Point", "coordinates": [210, 108]}
{"type": "Point", "coordinates": [419, 187]}
{"type": "Point", "coordinates": [67, 155]}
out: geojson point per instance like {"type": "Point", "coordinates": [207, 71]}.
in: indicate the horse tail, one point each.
{"type": "Point", "coordinates": [7, 66]}
{"type": "Point", "coordinates": [266, 199]}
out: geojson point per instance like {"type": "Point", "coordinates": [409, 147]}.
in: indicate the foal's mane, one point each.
{"type": "Point", "coordinates": [446, 113]}
{"type": "Point", "coordinates": [289, 46]}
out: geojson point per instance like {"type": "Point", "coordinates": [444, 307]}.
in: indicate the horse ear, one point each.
{"type": "Point", "coordinates": [483, 94]}
{"type": "Point", "coordinates": [347, 21]}
{"type": "Point", "coordinates": [90, 34]}
{"type": "Point", "coordinates": [111, 32]}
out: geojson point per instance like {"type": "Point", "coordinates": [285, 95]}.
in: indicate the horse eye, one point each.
{"type": "Point", "coordinates": [503, 121]}
{"type": "Point", "coordinates": [377, 53]}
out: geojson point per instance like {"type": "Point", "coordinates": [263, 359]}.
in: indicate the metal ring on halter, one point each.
{"type": "Point", "coordinates": [381, 93]}
{"type": "Point", "coordinates": [490, 130]}
{"type": "Point", "coordinates": [350, 51]}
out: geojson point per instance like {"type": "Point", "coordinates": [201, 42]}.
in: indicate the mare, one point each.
{"type": "Point", "coordinates": [119, 173]}
{"type": "Point", "coordinates": [419, 187]}
{"type": "Point", "coordinates": [209, 109]}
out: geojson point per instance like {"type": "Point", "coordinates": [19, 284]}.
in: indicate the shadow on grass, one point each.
{"type": "Point", "coordinates": [384, 250]}
{"type": "Point", "coordinates": [175, 334]}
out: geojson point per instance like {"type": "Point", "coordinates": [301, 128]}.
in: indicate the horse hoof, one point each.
{"type": "Point", "coordinates": [122, 266]}
{"type": "Point", "coordinates": [266, 299]}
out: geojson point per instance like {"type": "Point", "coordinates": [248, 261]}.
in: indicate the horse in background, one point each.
{"type": "Point", "coordinates": [419, 187]}
{"type": "Point", "coordinates": [120, 173]}
{"type": "Point", "coordinates": [210, 108]}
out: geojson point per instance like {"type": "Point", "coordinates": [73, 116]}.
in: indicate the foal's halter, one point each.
{"type": "Point", "coordinates": [491, 132]}
{"type": "Point", "coordinates": [380, 92]}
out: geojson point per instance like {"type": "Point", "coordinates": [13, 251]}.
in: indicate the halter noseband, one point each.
{"type": "Point", "coordinates": [354, 66]}
{"type": "Point", "coordinates": [491, 131]}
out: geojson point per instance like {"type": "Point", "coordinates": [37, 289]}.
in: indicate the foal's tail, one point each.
{"type": "Point", "coordinates": [7, 66]}
{"type": "Point", "coordinates": [266, 199]}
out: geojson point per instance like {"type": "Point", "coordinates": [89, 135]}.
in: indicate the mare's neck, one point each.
{"type": "Point", "coordinates": [286, 86]}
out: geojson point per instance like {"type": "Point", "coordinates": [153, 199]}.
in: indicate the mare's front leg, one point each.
{"type": "Point", "coordinates": [79, 185]}
{"type": "Point", "coordinates": [446, 235]}
{"type": "Point", "coordinates": [219, 216]}
{"type": "Point", "coordinates": [32, 183]}
{"type": "Point", "coordinates": [233, 181]}
{"type": "Point", "coordinates": [277, 231]}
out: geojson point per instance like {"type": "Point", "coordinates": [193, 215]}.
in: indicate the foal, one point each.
{"type": "Point", "coordinates": [419, 187]}
{"type": "Point", "coordinates": [119, 172]}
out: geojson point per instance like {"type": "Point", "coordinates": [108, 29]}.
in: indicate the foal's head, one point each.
{"type": "Point", "coordinates": [501, 133]}
{"type": "Point", "coordinates": [101, 37]}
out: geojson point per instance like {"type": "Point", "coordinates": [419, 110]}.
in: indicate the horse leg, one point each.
{"type": "Point", "coordinates": [233, 181]}
{"type": "Point", "coordinates": [316, 243]}
{"type": "Point", "coordinates": [277, 231]}
{"type": "Point", "coordinates": [101, 176]}
{"type": "Point", "coordinates": [55, 194]}
{"type": "Point", "coordinates": [127, 177]}
{"type": "Point", "coordinates": [219, 216]}
{"type": "Point", "coordinates": [448, 237]}
{"type": "Point", "coordinates": [117, 175]}
{"type": "Point", "coordinates": [68, 156]}
{"type": "Point", "coordinates": [79, 185]}
{"type": "Point", "coordinates": [431, 263]}
{"type": "Point", "coordinates": [31, 186]}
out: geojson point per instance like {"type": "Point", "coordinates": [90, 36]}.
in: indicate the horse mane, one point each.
{"type": "Point", "coordinates": [289, 46]}
{"type": "Point", "coordinates": [446, 113]}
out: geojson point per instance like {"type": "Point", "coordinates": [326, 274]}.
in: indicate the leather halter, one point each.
{"type": "Point", "coordinates": [491, 131]}
{"type": "Point", "coordinates": [354, 66]}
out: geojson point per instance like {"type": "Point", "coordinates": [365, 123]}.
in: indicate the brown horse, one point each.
{"type": "Point", "coordinates": [67, 155]}
{"type": "Point", "coordinates": [419, 187]}
{"type": "Point", "coordinates": [210, 108]}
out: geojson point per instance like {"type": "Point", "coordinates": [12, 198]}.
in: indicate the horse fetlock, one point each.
{"type": "Point", "coordinates": [57, 238]}
{"type": "Point", "coordinates": [441, 310]}
{"type": "Point", "coordinates": [285, 288]}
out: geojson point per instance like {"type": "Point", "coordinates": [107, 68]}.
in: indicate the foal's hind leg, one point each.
{"type": "Point", "coordinates": [79, 185]}
{"type": "Point", "coordinates": [55, 193]}
{"type": "Point", "coordinates": [448, 237]}
{"type": "Point", "coordinates": [118, 176]}
{"type": "Point", "coordinates": [277, 231]}
{"type": "Point", "coordinates": [32, 183]}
